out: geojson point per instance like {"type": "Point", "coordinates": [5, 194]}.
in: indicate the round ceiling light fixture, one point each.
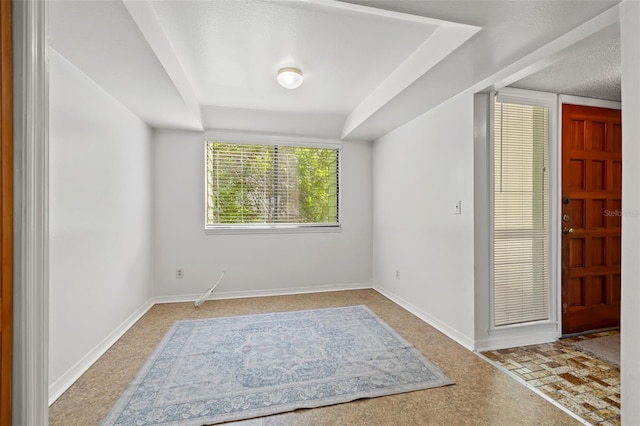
{"type": "Point", "coordinates": [289, 77]}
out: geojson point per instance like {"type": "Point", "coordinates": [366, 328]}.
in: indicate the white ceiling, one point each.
{"type": "Point", "coordinates": [232, 51]}
{"type": "Point", "coordinates": [368, 67]}
{"type": "Point", "coordinates": [101, 40]}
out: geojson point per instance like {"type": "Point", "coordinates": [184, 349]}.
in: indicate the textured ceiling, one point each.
{"type": "Point", "coordinates": [369, 67]}
{"type": "Point", "coordinates": [589, 68]}
{"type": "Point", "coordinates": [518, 38]}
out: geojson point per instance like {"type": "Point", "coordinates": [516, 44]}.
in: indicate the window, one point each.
{"type": "Point", "coordinates": [271, 186]}
{"type": "Point", "coordinates": [520, 213]}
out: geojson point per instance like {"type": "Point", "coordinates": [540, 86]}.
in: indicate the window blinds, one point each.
{"type": "Point", "coordinates": [271, 184]}
{"type": "Point", "coordinates": [521, 214]}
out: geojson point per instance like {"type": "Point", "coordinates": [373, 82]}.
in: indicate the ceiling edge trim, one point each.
{"type": "Point", "coordinates": [374, 11]}
{"type": "Point", "coordinates": [434, 49]}
{"type": "Point", "coordinates": [145, 19]}
{"type": "Point", "coordinates": [521, 68]}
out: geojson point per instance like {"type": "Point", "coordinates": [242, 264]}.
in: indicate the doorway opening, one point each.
{"type": "Point", "coordinates": [591, 218]}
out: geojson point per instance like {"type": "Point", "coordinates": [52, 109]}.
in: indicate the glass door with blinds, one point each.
{"type": "Point", "coordinates": [520, 216]}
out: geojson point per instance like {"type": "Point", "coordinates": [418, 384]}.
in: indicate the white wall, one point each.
{"type": "Point", "coordinates": [100, 219]}
{"type": "Point", "coordinates": [255, 264]}
{"type": "Point", "coordinates": [419, 171]}
{"type": "Point", "coordinates": [630, 314]}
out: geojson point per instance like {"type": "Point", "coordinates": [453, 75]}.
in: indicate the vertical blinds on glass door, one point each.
{"type": "Point", "coordinates": [521, 214]}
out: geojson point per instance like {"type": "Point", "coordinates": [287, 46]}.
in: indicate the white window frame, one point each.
{"type": "Point", "coordinates": [550, 101]}
{"type": "Point", "coordinates": [262, 139]}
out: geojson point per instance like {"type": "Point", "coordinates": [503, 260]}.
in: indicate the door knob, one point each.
{"type": "Point", "coordinates": [566, 230]}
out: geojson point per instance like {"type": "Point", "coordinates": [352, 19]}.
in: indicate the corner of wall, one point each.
{"type": "Point", "coordinates": [57, 388]}
{"type": "Point", "coordinates": [445, 329]}
{"type": "Point", "coordinates": [481, 207]}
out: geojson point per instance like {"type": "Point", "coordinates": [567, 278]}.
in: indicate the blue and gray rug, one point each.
{"type": "Point", "coordinates": [233, 368]}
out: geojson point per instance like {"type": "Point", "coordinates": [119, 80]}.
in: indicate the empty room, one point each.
{"type": "Point", "coordinates": [294, 212]}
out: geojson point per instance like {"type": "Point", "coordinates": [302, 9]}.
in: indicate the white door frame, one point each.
{"type": "Point", "coordinates": [31, 214]}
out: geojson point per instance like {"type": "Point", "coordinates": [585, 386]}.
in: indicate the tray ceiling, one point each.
{"type": "Point", "coordinates": [368, 67]}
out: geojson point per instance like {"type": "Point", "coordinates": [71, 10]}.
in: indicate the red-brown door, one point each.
{"type": "Point", "coordinates": [591, 217]}
{"type": "Point", "coordinates": [6, 204]}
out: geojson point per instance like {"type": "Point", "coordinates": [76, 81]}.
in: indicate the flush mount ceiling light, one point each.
{"type": "Point", "coordinates": [290, 78]}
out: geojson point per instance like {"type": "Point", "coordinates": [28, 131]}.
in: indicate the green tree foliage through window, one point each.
{"type": "Point", "coordinates": [271, 184]}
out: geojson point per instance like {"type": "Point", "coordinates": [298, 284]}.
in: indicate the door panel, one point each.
{"type": "Point", "coordinates": [591, 217]}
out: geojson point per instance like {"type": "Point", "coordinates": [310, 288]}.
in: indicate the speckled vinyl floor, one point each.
{"type": "Point", "coordinates": [482, 395]}
{"type": "Point", "coordinates": [585, 385]}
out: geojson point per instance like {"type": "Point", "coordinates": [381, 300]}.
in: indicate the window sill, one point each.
{"type": "Point", "coordinates": [266, 229]}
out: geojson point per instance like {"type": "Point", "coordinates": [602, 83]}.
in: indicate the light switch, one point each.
{"type": "Point", "coordinates": [457, 207]}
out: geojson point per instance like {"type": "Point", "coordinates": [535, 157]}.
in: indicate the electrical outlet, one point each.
{"type": "Point", "coordinates": [397, 274]}
{"type": "Point", "coordinates": [180, 273]}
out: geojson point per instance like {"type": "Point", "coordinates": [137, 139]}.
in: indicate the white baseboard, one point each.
{"type": "Point", "coordinates": [506, 338]}
{"type": "Point", "coordinates": [261, 293]}
{"type": "Point", "coordinates": [429, 319]}
{"type": "Point", "coordinates": [57, 388]}
{"type": "Point", "coordinates": [79, 368]}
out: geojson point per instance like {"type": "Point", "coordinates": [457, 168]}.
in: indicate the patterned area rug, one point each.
{"type": "Point", "coordinates": [234, 368]}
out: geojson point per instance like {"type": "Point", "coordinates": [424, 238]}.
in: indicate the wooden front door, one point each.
{"type": "Point", "coordinates": [6, 204]}
{"type": "Point", "coordinates": [591, 217]}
